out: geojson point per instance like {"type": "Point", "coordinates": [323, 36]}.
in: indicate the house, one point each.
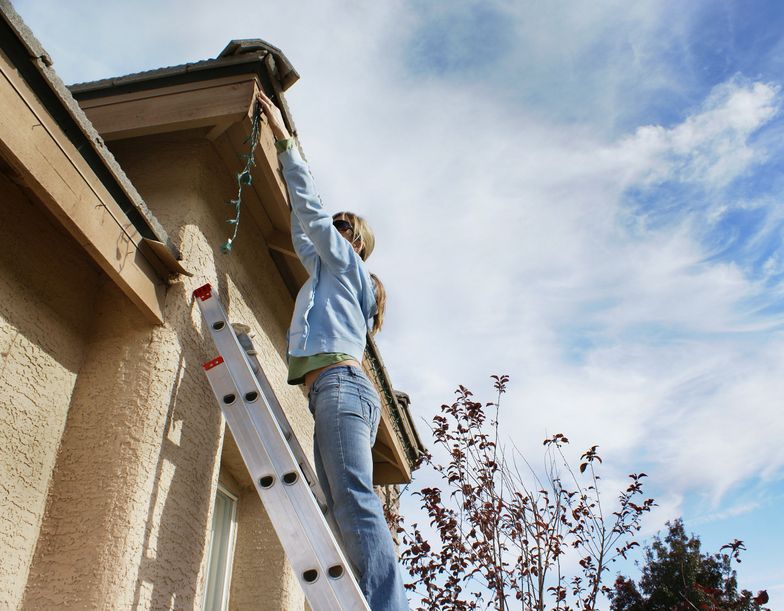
{"type": "Point", "coordinates": [121, 487]}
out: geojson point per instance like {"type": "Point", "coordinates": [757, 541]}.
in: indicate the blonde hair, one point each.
{"type": "Point", "coordinates": [381, 304]}
{"type": "Point", "coordinates": [363, 234]}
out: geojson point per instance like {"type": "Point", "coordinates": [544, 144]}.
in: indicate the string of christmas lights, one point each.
{"type": "Point", "coordinates": [244, 178]}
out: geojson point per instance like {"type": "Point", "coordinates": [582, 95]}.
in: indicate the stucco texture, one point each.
{"type": "Point", "coordinates": [42, 329]}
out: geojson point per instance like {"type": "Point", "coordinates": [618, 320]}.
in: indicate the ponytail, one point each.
{"type": "Point", "coordinates": [381, 304]}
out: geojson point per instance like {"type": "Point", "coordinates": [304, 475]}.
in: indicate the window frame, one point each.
{"type": "Point", "coordinates": [229, 560]}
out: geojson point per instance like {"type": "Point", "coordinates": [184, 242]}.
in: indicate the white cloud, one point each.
{"type": "Point", "coordinates": [710, 147]}
{"type": "Point", "coordinates": [735, 510]}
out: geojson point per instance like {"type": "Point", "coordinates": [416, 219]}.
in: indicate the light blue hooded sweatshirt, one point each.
{"type": "Point", "coordinates": [335, 306]}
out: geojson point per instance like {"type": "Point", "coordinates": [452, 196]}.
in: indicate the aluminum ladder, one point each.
{"type": "Point", "coordinates": [277, 465]}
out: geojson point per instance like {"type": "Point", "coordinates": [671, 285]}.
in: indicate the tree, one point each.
{"type": "Point", "coordinates": [677, 575]}
{"type": "Point", "coordinates": [502, 532]}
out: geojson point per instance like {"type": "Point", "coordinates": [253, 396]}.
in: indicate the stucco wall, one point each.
{"type": "Point", "coordinates": [48, 287]}
{"type": "Point", "coordinates": [128, 512]}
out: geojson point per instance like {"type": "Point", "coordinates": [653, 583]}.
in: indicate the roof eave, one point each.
{"type": "Point", "coordinates": [239, 55]}
{"type": "Point", "coordinates": [57, 97]}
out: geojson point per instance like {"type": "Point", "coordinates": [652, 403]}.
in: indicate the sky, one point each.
{"type": "Point", "coordinates": [584, 196]}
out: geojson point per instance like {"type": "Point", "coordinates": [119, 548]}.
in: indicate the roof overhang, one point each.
{"type": "Point", "coordinates": [215, 99]}
{"type": "Point", "coordinates": [49, 148]}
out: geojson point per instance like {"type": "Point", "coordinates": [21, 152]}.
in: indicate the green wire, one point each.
{"type": "Point", "coordinates": [243, 178]}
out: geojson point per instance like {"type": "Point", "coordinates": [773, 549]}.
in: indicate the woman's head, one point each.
{"type": "Point", "coordinates": [360, 235]}
{"type": "Point", "coordinates": [381, 304]}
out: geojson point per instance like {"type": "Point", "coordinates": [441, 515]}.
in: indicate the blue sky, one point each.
{"type": "Point", "coordinates": [585, 196]}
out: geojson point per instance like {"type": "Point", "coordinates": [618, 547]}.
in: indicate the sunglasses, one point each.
{"type": "Point", "coordinates": [343, 225]}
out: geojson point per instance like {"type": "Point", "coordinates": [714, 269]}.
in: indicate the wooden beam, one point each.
{"type": "Point", "coordinates": [281, 242]}
{"type": "Point", "coordinates": [386, 473]}
{"type": "Point", "coordinates": [213, 104]}
{"type": "Point", "coordinates": [218, 129]}
{"type": "Point", "coordinates": [230, 154]}
{"type": "Point", "coordinates": [267, 182]}
{"type": "Point", "coordinates": [33, 144]}
{"type": "Point", "coordinates": [279, 98]}
{"type": "Point", "coordinates": [383, 453]}
{"type": "Point", "coordinates": [109, 97]}
{"type": "Point", "coordinates": [390, 445]}
{"type": "Point", "coordinates": [273, 174]}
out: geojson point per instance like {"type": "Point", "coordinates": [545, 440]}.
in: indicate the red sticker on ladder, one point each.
{"type": "Point", "coordinates": [203, 292]}
{"type": "Point", "coordinates": [213, 363]}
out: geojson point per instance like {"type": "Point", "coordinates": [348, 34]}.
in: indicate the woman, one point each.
{"type": "Point", "coordinates": [331, 318]}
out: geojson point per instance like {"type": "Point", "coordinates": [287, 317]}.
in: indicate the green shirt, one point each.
{"type": "Point", "coordinates": [301, 365]}
{"type": "Point", "coordinates": [284, 145]}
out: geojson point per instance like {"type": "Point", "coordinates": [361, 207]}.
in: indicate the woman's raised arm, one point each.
{"type": "Point", "coordinates": [306, 205]}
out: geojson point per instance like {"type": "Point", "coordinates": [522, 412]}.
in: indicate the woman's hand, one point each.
{"type": "Point", "coordinates": [274, 117]}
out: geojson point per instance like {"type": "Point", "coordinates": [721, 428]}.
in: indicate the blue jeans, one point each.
{"type": "Point", "coordinates": [347, 411]}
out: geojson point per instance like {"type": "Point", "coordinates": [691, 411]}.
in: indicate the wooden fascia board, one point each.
{"type": "Point", "coordinates": [391, 464]}
{"type": "Point", "coordinates": [382, 453]}
{"type": "Point", "coordinates": [277, 240]}
{"type": "Point", "coordinates": [215, 103]}
{"type": "Point", "coordinates": [385, 474]}
{"type": "Point", "coordinates": [279, 98]}
{"type": "Point", "coordinates": [389, 452]}
{"type": "Point", "coordinates": [267, 172]}
{"type": "Point", "coordinates": [56, 173]}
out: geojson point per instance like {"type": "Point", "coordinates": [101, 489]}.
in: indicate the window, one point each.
{"type": "Point", "coordinates": [221, 551]}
